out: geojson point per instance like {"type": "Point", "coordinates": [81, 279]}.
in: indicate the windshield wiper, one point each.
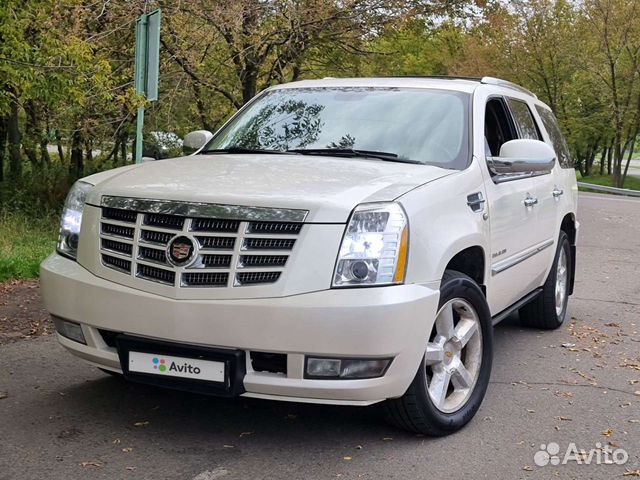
{"type": "Point", "coordinates": [242, 150]}
{"type": "Point", "coordinates": [352, 152]}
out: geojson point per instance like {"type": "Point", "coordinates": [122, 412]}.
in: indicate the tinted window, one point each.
{"type": "Point", "coordinates": [555, 135]}
{"type": "Point", "coordinates": [524, 120]}
{"type": "Point", "coordinates": [430, 126]}
{"type": "Point", "coordinates": [497, 126]}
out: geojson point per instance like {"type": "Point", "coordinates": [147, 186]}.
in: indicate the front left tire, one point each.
{"type": "Point", "coordinates": [453, 376]}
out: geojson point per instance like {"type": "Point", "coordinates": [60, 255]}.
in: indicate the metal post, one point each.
{"type": "Point", "coordinates": [140, 77]}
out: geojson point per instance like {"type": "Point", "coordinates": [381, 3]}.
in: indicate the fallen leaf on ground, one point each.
{"type": "Point", "coordinates": [229, 446]}
{"type": "Point", "coordinates": [637, 392]}
{"type": "Point", "coordinates": [243, 434]}
{"type": "Point", "coordinates": [127, 449]}
{"type": "Point", "coordinates": [387, 439]}
{"type": "Point", "coordinates": [530, 411]}
{"type": "Point", "coordinates": [347, 458]}
{"type": "Point", "coordinates": [91, 463]}
{"type": "Point", "coordinates": [528, 468]}
{"type": "Point", "coordinates": [566, 419]}
{"type": "Point", "coordinates": [141, 424]}
{"type": "Point", "coordinates": [631, 473]}
{"type": "Point", "coordinates": [3, 395]}
{"type": "Point", "coordinates": [608, 432]}
{"type": "Point", "coordinates": [131, 469]}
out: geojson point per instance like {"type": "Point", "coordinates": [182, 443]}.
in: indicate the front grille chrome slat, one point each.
{"type": "Point", "coordinates": [205, 279]}
{"type": "Point", "coordinates": [274, 228]}
{"type": "Point", "coordinates": [156, 274]}
{"type": "Point", "coordinates": [214, 225]}
{"type": "Point", "coordinates": [255, 278]}
{"type": "Point", "coordinates": [117, 247]}
{"type": "Point", "coordinates": [263, 260]}
{"type": "Point", "coordinates": [227, 253]}
{"type": "Point", "coordinates": [172, 222]}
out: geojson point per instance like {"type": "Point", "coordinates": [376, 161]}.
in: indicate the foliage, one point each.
{"type": "Point", "coordinates": [67, 103]}
{"type": "Point", "coordinates": [26, 240]}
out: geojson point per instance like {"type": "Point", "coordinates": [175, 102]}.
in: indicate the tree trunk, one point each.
{"type": "Point", "coordinates": [626, 167]}
{"type": "Point", "coordinates": [89, 154]}
{"type": "Point", "coordinates": [123, 147]}
{"type": "Point", "coordinates": [602, 159]}
{"type": "Point", "coordinates": [45, 158]}
{"type": "Point", "coordinates": [13, 139]}
{"type": "Point", "coordinates": [609, 158]}
{"type": "Point", "coordinates": [77, 163]}
{"type": "Point", "coordinates": [31, 134]}
{"type": "Point", "coordinates": [59, 145]}
{"type": "Point", "coordinates": [3, 145]}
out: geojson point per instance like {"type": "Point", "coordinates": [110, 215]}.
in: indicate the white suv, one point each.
{"type": "Point", "coordinates": [339, 241]}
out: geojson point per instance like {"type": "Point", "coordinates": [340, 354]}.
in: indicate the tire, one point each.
{"type": "Point", "coordinates": [544, 312]}
{"type": "Point", "coordinates": [418, 410]}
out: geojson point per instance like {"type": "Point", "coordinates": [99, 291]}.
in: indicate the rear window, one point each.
{"type": "Point", "coordinates": [524, 120]}
{"type": "Point", "coordinates": [555, 135]}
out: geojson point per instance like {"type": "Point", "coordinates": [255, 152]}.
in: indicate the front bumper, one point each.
{"type": "Point", "coordinates": [380, 322]}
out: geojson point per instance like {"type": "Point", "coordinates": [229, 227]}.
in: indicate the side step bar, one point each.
{"type": "Point", "coordinates": [519, 304]}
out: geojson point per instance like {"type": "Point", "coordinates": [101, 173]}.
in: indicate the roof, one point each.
{"type": "Point", "coordinates": [460, 84]}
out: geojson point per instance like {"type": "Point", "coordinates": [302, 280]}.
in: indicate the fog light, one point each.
{"type": "Point", "coordinates": [343, 368]}
{"type": "Point", "coordinates": [70, 330]}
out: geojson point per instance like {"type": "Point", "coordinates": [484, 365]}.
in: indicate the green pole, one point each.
{"type": "Point", "coordinates": [140, 77]}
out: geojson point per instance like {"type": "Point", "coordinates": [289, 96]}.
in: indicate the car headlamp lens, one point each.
{"type": "Point", "coordinates": [374, 247]}
{"type": "Point", "coordinates": [71, 222]}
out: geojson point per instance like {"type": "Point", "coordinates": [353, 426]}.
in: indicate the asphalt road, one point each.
{"type": "Point", "coordinates": [64, 419]}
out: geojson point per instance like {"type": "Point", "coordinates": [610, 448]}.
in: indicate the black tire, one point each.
{"type": "Point", "coordinates": [415, 411]}
{"type": "Point", "coordinates": [541, 313]}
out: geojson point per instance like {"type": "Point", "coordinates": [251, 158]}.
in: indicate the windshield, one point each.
{"type": "Point", "coordinates": [427, 126]}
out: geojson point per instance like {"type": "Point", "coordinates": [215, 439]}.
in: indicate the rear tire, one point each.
{"type": "Point", "coordinates": [454, 372]}
{"type": "Point", "coordinates": [549, 309]}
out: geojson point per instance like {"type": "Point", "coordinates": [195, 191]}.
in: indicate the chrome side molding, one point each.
{"type": "Point", "coordinates": [512, 262]}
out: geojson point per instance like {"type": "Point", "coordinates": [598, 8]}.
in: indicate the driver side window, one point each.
{"type": "Point", "coordinates": [498, 126]}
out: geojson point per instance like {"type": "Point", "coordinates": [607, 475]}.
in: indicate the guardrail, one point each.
{"type": "Point", "coordinates": [614, 190]}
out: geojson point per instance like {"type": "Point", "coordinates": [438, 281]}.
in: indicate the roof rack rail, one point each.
{"type": "Point", "coordinates": [437, 77]}
{"type": "Point", "coordinates": [505, 83]}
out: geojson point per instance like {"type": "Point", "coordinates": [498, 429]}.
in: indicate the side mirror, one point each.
{"type": "Point", "coordinates": [523, 156]}
{"type": "Point", "coordinates": [194, 141]}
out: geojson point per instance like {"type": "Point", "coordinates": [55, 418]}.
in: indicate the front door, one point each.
{"type": "Point", "coordinates": [517, 238]}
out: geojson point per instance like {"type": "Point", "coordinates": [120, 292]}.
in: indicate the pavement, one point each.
{"type": "Point", "coordinates": [634, 168]}
{"type": "Point", "coordinates": [579, 385]}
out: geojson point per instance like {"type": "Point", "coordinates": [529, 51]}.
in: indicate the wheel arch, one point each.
{"type": "Point", "coordinates": [569, 226]}
{"type": "Point", "coordinates": [472, 262]}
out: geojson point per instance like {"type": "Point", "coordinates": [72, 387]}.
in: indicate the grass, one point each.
{"type": "Point", "coordinates": [632, 183]}
{"type": "Point", "coordinates": [24, 243]}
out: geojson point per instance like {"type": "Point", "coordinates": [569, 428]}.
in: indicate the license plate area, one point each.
{"type": "Point", "coordinates": [186, 367]}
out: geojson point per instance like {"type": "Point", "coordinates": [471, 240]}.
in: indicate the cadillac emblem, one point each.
{"type": "Point", "coordinates": [180, 250]}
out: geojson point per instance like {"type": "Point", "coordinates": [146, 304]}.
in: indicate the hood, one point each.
{"type": "Point", "coordinates": [328, 187]}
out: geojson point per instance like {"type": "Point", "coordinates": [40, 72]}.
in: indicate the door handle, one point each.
{"type": "Point", "coordinates": [557, 192]}
{"type": "Point", "coordinates": [530, 201]}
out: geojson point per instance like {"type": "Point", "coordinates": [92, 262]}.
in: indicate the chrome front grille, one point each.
{"type": "Point", "coordinates": [226, 252]}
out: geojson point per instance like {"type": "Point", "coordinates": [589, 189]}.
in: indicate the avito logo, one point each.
{"type": "Point", "coordinates": [161, 364]}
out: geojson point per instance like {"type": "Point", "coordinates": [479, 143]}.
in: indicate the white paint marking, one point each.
{"type": "Point", "coordinates": [211, 474]}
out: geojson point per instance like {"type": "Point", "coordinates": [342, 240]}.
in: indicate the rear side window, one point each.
{"type": "Point", "coordinates": [555, 135]}
{"type": "Point", "coordinates": [524, 119]}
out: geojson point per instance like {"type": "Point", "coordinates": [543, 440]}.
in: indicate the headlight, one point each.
{"type": "Point", "coordinates": [72, 219]}
{"type": "Point", "coordinates": [374, 247]}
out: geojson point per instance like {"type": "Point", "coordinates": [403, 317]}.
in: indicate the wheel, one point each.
{"type": "Point", "coordinates": [454, 373]}
{"type": "Point", "coordinates": [549, 309]}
